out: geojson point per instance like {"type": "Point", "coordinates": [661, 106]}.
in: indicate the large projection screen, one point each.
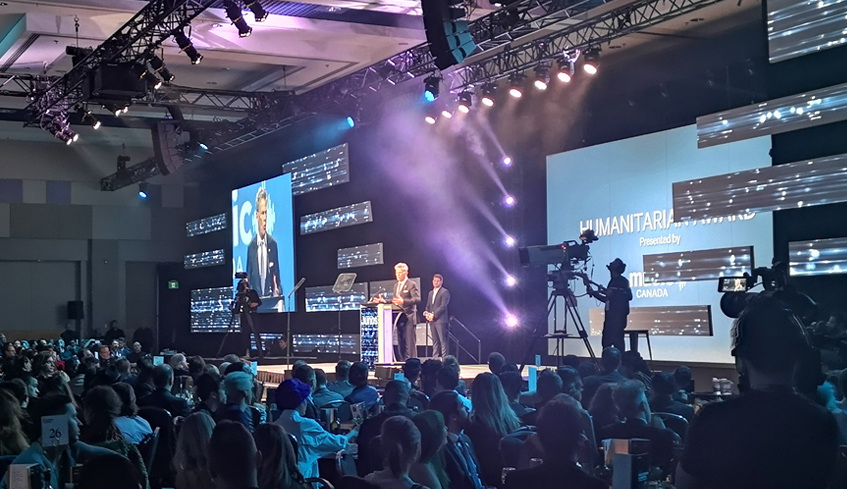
{"type": "Point", "coordinates": [622, 190]}
{"type": "Point", "coordinates": [271, 272]}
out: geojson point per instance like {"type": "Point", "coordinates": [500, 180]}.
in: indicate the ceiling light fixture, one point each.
{"type": "Point", "coordinates": [465, 101]}
{"type": "Point", "coordinates": [186, 46]}
{"type": "Point", "coordinates": [591, 61]}
{"type": "Point", "coordinates": [233, 12]}
{"type": "Point", "coordinates": [256, 7]}
{"type": "Point", "coordinates": [432, 88]}
{"type": "Point", "coordinates": [488, 94]}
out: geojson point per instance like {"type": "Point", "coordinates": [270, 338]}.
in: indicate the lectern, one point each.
{"type": "Point", "coordinates": [376, 326]}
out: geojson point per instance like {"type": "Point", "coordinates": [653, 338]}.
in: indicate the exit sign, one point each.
{"type": "Point", "coordinates": [173, 284]}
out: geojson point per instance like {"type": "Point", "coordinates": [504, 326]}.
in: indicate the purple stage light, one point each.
{"type": "Point", "coordinates": [510, 241]}
{"type": "Point", "coordinates": [509, 201]}
{"type": "Point", "coordinates": [511, 281]}
{"type": "Point", "coordinates": [507, 161]}
{"type": "Point", "coordinates": [511, 321]}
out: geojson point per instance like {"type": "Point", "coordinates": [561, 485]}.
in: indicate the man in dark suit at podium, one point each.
{"type": "Point", "coordinates": [437, 316]}
{"type": "Point", "coordinates": [263, 253]}
{"type": "Point", "coordinates": [406, 297]}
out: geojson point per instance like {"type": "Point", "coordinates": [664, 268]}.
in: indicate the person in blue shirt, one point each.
{"type": "Point", "coordinates": [362, 392]}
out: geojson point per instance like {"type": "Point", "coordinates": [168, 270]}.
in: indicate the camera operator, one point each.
{"type": "Point", "coordinates": [245, 303]}
{"type": "Point", "coordinates": [616, 296]}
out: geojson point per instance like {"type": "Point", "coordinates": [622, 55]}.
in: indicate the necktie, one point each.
{"type": "Point", "coordinates": [263, 258]}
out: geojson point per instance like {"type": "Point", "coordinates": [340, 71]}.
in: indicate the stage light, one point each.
{"type": "Point", "coordinates": [142, 190]}
{"type": "Point", "coordinates": [233, 12]}
{"type": "Point", "coordinates": [565, 73]}
{"type": "Point", "coordinates": [509, 241]}
{"type": "Point", "coordinates": [116, 109]}
{"type": "Point", "coordinates": [446, 113]}
{"type": "Point", "coordinates": [187, 47]}
{"type": "Point", "coordinates": [509, 201]}
{"type": "Point", "coordinates": [515, 83]}
{"type": "Point", "coordinates": [203, 146]}
{"type": "Point", "coordinates": [591, 60]}
{"type": "Point", "coordinates": [488, 94]}
{"type": "Point", "coordinates": [351, 122]}
{"type": "Point", "coordinates": [96, 124]}
{"type": "Point", "coordinates": [159, 67]}
{"type": "Point", "coordinates": [511, 321]}
{"type": "Point", "coordinates": [465, 102]}
{"type": "Point", "coordinates": [432, 88]}
{"type": "Point", "coordinates": [507, 161]}
{"type": "Point", "coordinates": [257, 9]}
{"type": "Point", "coordinates": [430, 119]}
{"type": "Point", "coordinates": [542, 77]}
{"type": "Point", "coordinates": [511, 281]}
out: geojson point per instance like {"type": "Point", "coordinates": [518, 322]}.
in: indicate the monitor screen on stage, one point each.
{"type": "Point", "coordinates": [623, 191]}
{"type": "Point", "coordinates": [263, 240]}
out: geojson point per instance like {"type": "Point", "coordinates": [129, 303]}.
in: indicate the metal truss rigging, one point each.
{"type": "Point", "coordinates": [134, 41]}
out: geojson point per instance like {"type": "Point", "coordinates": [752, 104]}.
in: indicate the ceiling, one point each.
{"type": "Point", "coordinates": [299, 47]}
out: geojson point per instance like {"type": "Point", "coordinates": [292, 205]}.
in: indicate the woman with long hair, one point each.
{"type": "Point", "coordinates": [603, 409]}
{"type": "Point", "coordinates": [491, 419]}
{"type": "Point", "coordinates": [133, 427]}
{"type": "Point", "coordinates": [191, 461]}
{"type": "Point", "coordinates": [429, 469]}
{"type": "Point", "coordinates": [279, 464]}
{"type": "Point", "coordinates": [101, 407]}
{"type": "Point", "coordinates": [401, 448]}
{"type": "Point", "coordinates": [12, 439]}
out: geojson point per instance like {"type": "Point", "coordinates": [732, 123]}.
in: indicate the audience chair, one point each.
{"type": "Point", "coordinates": [5, 462]}
{"type": "Point", "coordinates": [148, 447]}
{"type": "Point", "coordinates": [161, 473]}
{"type": "Point", "coordinates": [318, 483]}
{"type": "Point", "coordinates": [512, 449]}
{"type": "Point", "coordinates": [674, 422]}
{"type": "Point", "coordinates": [295, 446]}
{"type": "Point", "coordinates": [345, 414]}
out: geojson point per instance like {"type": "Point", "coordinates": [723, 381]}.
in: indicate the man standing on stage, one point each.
{"type": "Point", "coordinates": [616, 296]}
{"type": "Point", "coordinates": [437, 316]}
{"type": "Point", "coordinates": [263, 253]}
{"type": "Point", "coordinates": [406, 296]}
{"type": "Point", "coordinates": [245, 304]}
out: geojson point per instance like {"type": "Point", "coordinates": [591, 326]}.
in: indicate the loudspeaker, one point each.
{"type": "Point", "coordinates": [169, 140]}
{"type": "Point", "coordinates": [449, 39]}
{"type": "Point", "coordinates": [75, 311]}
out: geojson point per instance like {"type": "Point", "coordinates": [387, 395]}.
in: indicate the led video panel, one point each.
{"type": "Point", "coordinates": [206, 225]}
{"type": "Point", "coordinates": [320, 170]}
{"type": "Point", "coordinates": [684, 266]}
{"type": "Point", "coordinates": [817, 257]}
{"type": "Point", "coordinates": [204, 259]}
{"type": "Point", "coordinates": [772, 188]}
{"type": "Point", "coordinates": [797, 28]}
{"type": "Point", "coordinates": [349, 215]}
{"type": "Point", "coordinates": [661, 320]}
{"type": "Point", "coordinates": [325, 343]}
{"type": "Point", "coordinates": [360, 256]}
{"type": "Point", "coordinates": [210, 311]}
{"type": "Point", "coordinates": [814, 108]}
{"type": "Point", "coordinates": [322, 298]}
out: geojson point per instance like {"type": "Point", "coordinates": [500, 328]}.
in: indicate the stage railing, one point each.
{"type": "Point", "coordinates": [478, 357]}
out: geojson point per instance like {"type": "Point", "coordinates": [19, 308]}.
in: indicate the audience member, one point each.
{"type": "Point", "coordinates": [571, 381]}
{"type": "Point", "coordinates": [512, 383]}
{"type": "Point", "coordinates": [769, 436]}
{"type": "Point", "coordinates": [208, 390]}
{"type": "Point", "coordinates": [634, 367]}
{"type": "Point", "coordinates": [561, 435]}
{"type": "Point", "coordinates": [233, 458]}
{"type": "Point", "coordinates": [610, 361]}
{"type": "Point", "coordinates": [17, 388]}
{"type": "Point", "coordinates": [395, 399]}
{"type": "Point", "coordinates": [491, 420]}
{"type": "Point", "coordinates": [429, 469]}
{"type": "Point", "coordinates": [322, 395]}
{"type": "Point", "coordinates": [602, 408]}
{"type": "Point", "coordinates": [124, 369]}
{"type": "Point", "coordinates": [161, 397]}
{"type": "Point", "coordinates": [102, 407]}
{"type": "Point", "coordinates": [662, 397]}
{"type": "Point", "coordinates": [361, 392]}
{"type": "Point", "coordinates": [460, 460]}
{"type": "Point", "coordinates": [587, 369]}
{"type": "Point", "coordinates": [341, 384]}
{"type": "Point", "coordinates": [313, 442]}
{"type": "Point", "coordinates": [418, 401]}
{"type": "Point", "coordinates": [179, 364]}
{"type": "Point", "coordinates": [452, 362]}
{"type": "Point", "coordinates": [278, 468]}
{"type": "Point", "coordinates": [58, 460]}
{"type": "Point", "coordinates": [842, 386]}
{"type": "Point", "coordinates": [447, 379]}
{"type": "Point", "coordinates": [496, 360]}
{"type": "Point", "coordinates": [401, 443]}
{"type": "Point", "coordinates": [143, 384]}
{"type": "Point", "coordinates": [132, 427]}
{"type": "Point", "coordinates": [306, 374]}
{"type": "Point", "coordinates": [136, 354]}
{"type": "Point", "coordinates": [196, 367]}
{"type": "Point", "coordinates": [429, 373]}
{"type": "Point", "coordinates": [111, 471]}
{"type": "Point", "coordinates": [191, 458]}
{"type": "Point", "coordinates": [684, 383]}
{"type": "Point", "coordinates": [12, 438]}
{"type": "Point", "coordinates": [238, 387]}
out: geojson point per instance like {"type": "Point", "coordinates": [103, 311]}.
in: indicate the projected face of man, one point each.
{"type": "Point", "coordinates": [262, 216]}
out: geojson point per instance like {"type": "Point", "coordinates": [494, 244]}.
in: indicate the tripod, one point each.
{"type": "Point", "coordinates": [561, 289]}
{"type": "Point", "coordinates": [238, 309]}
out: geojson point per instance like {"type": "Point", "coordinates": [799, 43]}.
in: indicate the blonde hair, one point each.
{"type": "Point", "coordinates": [401, 266]}
{"type": "Point", "coordinates": [191, 461]}
{"type": "Point", "coordinates": [401, 444]}
{"type": "Point", "coordinates": [491, 406]}
{"type": "Point", "coordinates": [12, 439]}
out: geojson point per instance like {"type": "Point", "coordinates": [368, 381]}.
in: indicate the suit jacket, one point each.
{"type": "Point", "coordinates": [272, 272]}
{"type": "Point", "coordinates": [439, 308]}
{"type": "Point", "coordinates": [161, 398]}
{"type": "Point", "coordinates": [412, 296]}
{"type": "Point", "coordinates": [456, 467]}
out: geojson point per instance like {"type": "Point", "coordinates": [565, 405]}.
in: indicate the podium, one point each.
{"type": "Point", "coordinates": [376, 333]}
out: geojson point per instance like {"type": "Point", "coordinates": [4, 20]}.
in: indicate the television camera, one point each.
{"type": "Point", "coordinates": [774, 280]}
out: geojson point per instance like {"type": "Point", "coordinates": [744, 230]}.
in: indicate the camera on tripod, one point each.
{"type": "Point", "coordinates": [569, 258]}
{"type": "Point", "coordinates": [737, 295]}
{"type": "Point", "coordinates": [241, 301]}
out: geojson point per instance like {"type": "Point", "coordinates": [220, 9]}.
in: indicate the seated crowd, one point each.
{"type": "Point", "coordinates": [189, 425]}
